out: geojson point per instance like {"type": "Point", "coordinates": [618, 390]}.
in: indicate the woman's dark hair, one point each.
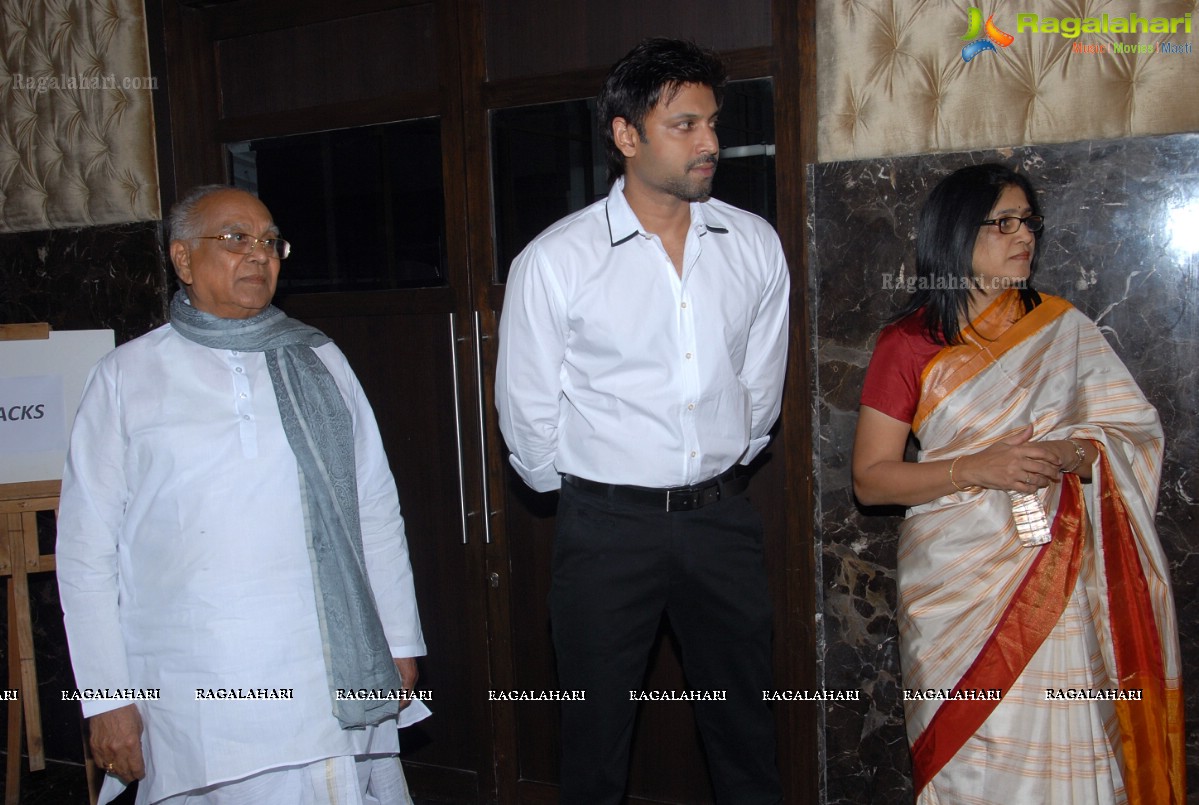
{"type": "Point", "coordinates": [948, 228]}
{"type": "Point", "coordinates": [637, 82]}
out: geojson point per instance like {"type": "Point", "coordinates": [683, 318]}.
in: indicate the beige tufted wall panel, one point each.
{"type": "Point", "coordinates": [891, 78]}
{"type": "Point", "coordinates": [77, 130]}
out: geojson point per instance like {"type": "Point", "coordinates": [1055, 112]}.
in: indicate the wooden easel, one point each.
{"type": "Point", "coordinates": [20, 556]}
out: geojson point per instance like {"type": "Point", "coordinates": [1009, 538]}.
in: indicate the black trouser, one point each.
{"type": "Point", "coordinates": [617, 567]}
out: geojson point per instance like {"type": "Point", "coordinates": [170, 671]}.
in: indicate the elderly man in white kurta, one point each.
{"type": "Point", "coordinates": [230, 541]}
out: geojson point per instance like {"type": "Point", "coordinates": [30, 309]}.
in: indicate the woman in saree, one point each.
{"type": "Point", "coordinates": [1036, 624]}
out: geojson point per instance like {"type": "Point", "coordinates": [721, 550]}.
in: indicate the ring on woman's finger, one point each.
{"type": "Point", "coordinates": [108, 768]}
{"type": "Point", "coordinates": [1028, 479]}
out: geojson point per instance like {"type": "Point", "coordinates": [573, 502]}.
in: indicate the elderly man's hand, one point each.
{"type": "Point", "coordinates": [116, 739]}
{"type": "Point", "coordinates": [408, 675]}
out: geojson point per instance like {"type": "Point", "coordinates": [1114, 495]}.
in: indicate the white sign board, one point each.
{"type": "Point", "coordinates": [41, 381]}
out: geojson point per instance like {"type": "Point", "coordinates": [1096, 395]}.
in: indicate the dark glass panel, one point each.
{"type": "Point", "coordinates": [547, 162]}
{"type": "Point", "coordinates": [363, 207]}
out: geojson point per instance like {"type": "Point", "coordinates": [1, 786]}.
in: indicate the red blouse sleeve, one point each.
{"type": "Point", "coordinates": [892, 383]}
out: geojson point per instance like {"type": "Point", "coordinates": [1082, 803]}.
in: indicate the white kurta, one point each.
{"type": "Point", "coordinates": [182, 561]}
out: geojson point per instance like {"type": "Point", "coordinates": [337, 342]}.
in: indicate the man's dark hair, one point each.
{"type": "Point", "coordinates": [655, 70]}
{"type": "Point", "coordinates": [945, 237]}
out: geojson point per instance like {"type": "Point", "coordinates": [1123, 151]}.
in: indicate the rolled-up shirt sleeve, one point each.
{"type": "Point", "coordinates": [90, 519]}
{"type": "Point", "coordinates": [766, 351]}
{"type": "Point", "coordinates": [528, 385]}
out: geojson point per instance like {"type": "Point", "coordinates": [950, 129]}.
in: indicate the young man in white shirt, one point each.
{"type": "Point", "coordinates": [642, 351]}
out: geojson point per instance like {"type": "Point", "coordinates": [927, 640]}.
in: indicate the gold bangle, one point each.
{"type": "Point", "coordinates": [1080, 453]}
{"type": "Point", "coordinates": [953, 464]}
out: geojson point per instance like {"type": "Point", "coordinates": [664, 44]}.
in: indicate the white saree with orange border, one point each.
{"type": "Point", "coordinates": [1079, 635]}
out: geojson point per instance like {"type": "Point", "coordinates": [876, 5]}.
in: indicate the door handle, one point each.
{"type": "Point", "coordinates": [479, 339]}
{"type": "Point", "coordinates": [458, 428]}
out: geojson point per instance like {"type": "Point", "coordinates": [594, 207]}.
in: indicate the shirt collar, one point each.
{"type": "Point", "coordinates": [623, 223]}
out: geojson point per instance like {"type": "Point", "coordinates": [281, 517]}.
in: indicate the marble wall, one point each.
{"type": "Point", "coordinates": [1122, 244]}
{"type": "Point", "coordinates": [103, 277]}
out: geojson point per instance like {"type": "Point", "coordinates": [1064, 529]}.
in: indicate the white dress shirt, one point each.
{"type": "Point", "coordinates": [183, 565]}
{"type": "Point", "coordinates": [614, 369]}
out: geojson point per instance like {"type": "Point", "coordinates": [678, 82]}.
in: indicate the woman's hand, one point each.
{"type": "Point", "coordinates": [1015, 464]}
{"type": "Point", "coordinates": [1071, 460]}
{"type": "Point", "coordinates": [882, 477]}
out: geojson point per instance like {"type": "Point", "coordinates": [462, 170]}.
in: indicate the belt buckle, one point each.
{"type": "Point", "coordinates": [674, 502]}
{"type": "Point", "coordinates": [683, 500]}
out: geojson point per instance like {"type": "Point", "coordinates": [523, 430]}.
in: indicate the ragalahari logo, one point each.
{"type": "Point", "coordinates": [985, 37]}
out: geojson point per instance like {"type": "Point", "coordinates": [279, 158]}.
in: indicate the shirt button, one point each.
{"type": "Point", "coordinates": [684, 304]}
{"type": "Point", "coordinates": [244, 395]}
{"type": "Point", "coordinates": [246, 417]}
{"type": "Point", "coordinates": [239, 370]}
{"type": "Point", "coordinates": [691, 406]}
{"type": "Point", "coordinates": [688, 356]}
{"type": "Point", "coordinates": [693, 454]}
{"type": "Point", "coordinates": [235, 352]}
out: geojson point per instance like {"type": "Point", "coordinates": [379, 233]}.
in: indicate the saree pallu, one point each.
{"type": "Point", "coordinates": [1055, 628]}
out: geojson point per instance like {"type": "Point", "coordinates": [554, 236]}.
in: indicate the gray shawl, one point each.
{"type": "Point", "coordinates": [320, 432]}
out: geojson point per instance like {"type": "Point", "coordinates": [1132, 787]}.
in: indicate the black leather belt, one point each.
{"type": "Point", "coordinates": [676, 499]}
